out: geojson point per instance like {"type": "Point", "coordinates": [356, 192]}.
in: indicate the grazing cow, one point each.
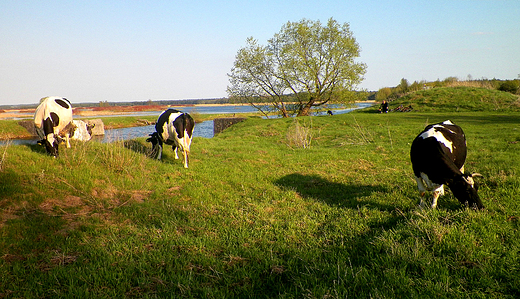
{"type": "Point", "coordinates": [438, 154]}
{"type": "Point", "coordinates": [174, 128]}
{"type": "Point", "coordinates": [53, 116]}
{"type": "Point", "coordinates": [81, 131]}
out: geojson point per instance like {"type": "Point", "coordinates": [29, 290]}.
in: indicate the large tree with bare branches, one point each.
{"type": "Point", "coordinates": [306, 61]}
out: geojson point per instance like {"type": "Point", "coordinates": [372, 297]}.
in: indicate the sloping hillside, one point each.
{"type": "Point", "coordinates": [459, 99]}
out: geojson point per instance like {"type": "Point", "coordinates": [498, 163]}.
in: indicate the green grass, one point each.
{"type": "Point", "coordinates": [459, 99]}
{"type": "Point", "coordinates": [10, 129]}
{"type": "Point", "coordinates": [258, 216]}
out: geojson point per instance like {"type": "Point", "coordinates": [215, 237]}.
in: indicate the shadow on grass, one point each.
{"type": "Point", "coordinates": [331, 193]}
{"type": "Point", "coordinates": [137, 147]}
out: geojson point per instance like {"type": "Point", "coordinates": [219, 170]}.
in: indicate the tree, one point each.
{"type": "Point", "coordinates": [305, 63]}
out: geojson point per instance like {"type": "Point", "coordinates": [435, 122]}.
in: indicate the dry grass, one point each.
{"type": "Point", "coordinates": [299, 135]}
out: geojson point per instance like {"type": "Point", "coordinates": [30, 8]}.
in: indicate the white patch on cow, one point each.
{"type": "Point", "coordinates": [438, 135]}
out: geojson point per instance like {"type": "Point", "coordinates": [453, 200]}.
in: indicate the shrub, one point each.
{"type": "Point", "coordinates": [509, 86]}
{"type": "Point", "coordinates": [383, 94]}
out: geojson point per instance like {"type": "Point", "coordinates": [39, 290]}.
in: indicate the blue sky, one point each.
{"type": "Point", "coordinates": [91, 51]}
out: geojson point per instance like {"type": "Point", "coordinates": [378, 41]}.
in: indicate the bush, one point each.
{"type": "Point", "coordinates": [383, 94]}
{"type": "Point", "coordinates": [509, 86]}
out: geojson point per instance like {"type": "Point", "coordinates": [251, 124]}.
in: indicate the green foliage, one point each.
{"type": "Point", "coordinates": [256, 217]}
{"type": "Point", "coordinates": [312, 62]}
{"type": "Point", "coordinates": [510, 86]}
{"type": "Point", "coordinates": [383, 94]}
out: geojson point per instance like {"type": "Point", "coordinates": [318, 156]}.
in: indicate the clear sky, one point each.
{"type": "Point", "coordinates": [104, 50]}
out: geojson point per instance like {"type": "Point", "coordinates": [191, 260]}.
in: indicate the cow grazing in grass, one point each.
{"type": "Point", "coordinates": [438, 154]}
{"type": "Point", "coordinates": [53, 121]}
{"type": "Point", "coordinates": [174, 128]}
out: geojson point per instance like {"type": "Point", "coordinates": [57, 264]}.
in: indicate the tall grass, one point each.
{"type": "Point", "coordinates": [252, 217]}
{"type": "Point", "coordinates": [299, 135]}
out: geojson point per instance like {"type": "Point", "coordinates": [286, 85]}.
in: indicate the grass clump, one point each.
{"type": "Point", "coordinates": [300, 135]}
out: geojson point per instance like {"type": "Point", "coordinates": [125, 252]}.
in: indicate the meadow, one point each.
{"type": "Point", "coordinates": [314, 207]}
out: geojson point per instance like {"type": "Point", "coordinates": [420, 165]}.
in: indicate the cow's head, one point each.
{"type": "Point", "coordinates": [51, 145]}
{"type": "Point", "coordinates": [90, 126]}
{"type": "Point", "coordinates": [156, 142]}
{"type": "Point", "coordinates": [465, 190]}
{"type": "Point", "coordinates": [154, 139]}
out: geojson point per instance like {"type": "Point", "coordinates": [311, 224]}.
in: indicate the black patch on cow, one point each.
{"type": "Point", "coordinates": [63, 102]}
{"type": "Point", "coordinates": [163, 118]}
{"type": "Point", "coordinates": [48, 126]}
{"type": "Point", "coordinates": [184, 122]}
{"type": "Point", "coordinates": [189, 124]}
{"type": "Point", "coordinates": [55, 119]}
{"type": "Point", "coordinates": [434, 159]}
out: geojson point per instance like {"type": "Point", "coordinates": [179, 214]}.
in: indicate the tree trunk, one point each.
{"type": "Point", "coordinates": [284, 111]}
{"type": "Point", "coordinates": [306, 109]}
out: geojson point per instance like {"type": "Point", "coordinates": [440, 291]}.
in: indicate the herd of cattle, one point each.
{"type": "Point", "coordinates": [438, 153]}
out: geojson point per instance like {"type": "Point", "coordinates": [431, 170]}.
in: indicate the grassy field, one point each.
{"type": "Point", "coordinates": [316, 207]}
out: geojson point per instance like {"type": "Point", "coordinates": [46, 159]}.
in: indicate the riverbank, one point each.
{"type": "Point", "coordinates": [118, 110]}
{"type": "Point", "coordinates": [117, 117]}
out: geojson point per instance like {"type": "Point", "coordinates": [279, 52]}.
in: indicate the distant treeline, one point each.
{"type": "Point", "coordinates": [130, 103]}
{"type": "Point", "coordinates": [157, 102]}
{"type": "Point", "coordinates": [404, 87]}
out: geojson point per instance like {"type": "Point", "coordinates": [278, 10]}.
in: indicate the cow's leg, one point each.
{"type": "Point", "coordinates": [174, 148]}
{"type": "Point", "coordinates": [67, 140]}
{"type": "Point", "coordinates": [436, 193]}
{"type": "Point", "coordinates": [422, 190]}
{"type": "Point", "coordinates": [186, 157]}
{"type": "Point", "coordinates": [159, 151]}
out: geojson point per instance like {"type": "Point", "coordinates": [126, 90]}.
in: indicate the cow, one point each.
{"type": "Point", "coordinates": [53, 115]}
{"type": "Point", "coordinates": [81, 130]}
{"type": "Point", "coordinates": [438, 154]}
{"type": "Point", "coordinates": [174, 128]}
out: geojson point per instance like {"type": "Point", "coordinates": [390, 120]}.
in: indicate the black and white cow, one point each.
{"type": "Point", "coordinates": [174, 128]}
{"type": "Point", "coordinates": [438, 154]}
{"type": "Point", "coordinates": [52, 116]}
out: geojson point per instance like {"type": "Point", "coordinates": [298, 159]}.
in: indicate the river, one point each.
{"type": "Point", "coordinates": [203, 129]}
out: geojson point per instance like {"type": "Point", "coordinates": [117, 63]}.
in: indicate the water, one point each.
{"type": "Point", "coordinates": [203, 129]}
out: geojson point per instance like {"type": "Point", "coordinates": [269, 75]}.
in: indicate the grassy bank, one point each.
{"type": "Point", "coordinates": [258, 216]}
{"type": "Point", "coordinates": [458, 99]}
